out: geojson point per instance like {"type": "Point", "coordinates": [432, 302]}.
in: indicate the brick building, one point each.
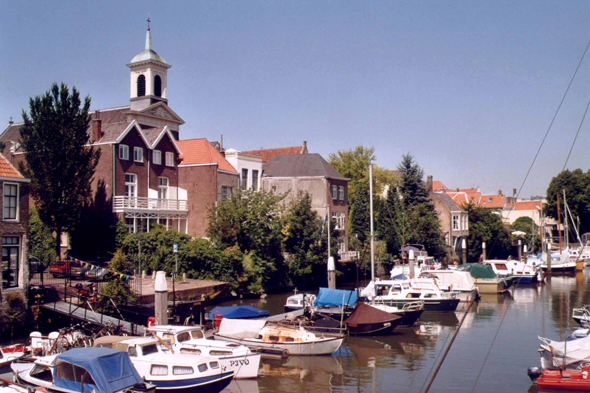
{"type": "Point", "coordinates": [14, 229]}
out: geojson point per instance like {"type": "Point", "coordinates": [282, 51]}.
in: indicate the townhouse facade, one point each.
{"type": "Point", "coordinates": [14, 229]}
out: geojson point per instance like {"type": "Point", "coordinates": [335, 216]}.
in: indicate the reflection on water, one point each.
{"type": "Point", "coordinates": [499, 337]}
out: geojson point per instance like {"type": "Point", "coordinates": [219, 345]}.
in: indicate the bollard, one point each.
{"type": "Point", "coordinates": [331, 273]}
{"type": "Point", "coordinates": [411, 258]}
{"type": "Point", "coordinates": [161, 299]}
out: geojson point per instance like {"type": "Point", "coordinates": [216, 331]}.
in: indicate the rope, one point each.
{"type": "Point", "coordinates": [577, 133]}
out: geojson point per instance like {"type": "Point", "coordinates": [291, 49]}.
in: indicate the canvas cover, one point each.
{"type": "Point", "coordinates": [110, 369]}
{"type": "Point", "coordinates": [240, 328]}
{"type": "Point", "coordinates": [335, 297]}
{"type": "Point", "coordinates": [567, 352]}
{"type": "Point", "coordinates": [237, 312]}
{"type": "Point", "coordinates": [478, 270]}
{"type": "Point", "coordinates": [453, 279]}
{"type": "Point", "coordinates": [366, 314]}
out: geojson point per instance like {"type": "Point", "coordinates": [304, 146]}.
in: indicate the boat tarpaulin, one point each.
{"type": "Point", "coordinates": [237, 312]}
{"type": "Point", "coordinates": [335, 297]}
{"type": "Point", "coordinates": [104, 370]}
{"type": "Point", "coordinates": [367, 314]}
{"type": "Point", "coordinates": [564, 353]}
{"type": "Point", "coordinates": [240, 328]}
{"type": "Point", "coordinates": [478, 270]}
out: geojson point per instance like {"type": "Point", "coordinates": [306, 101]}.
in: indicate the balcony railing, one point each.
{"type": "Point", "coordinates": [348, 256]}
{"type": "Point", "coordinates": [123, 203]}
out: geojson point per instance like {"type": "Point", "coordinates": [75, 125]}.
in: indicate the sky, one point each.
{"type": "Point", "coordinates": [468, 88]}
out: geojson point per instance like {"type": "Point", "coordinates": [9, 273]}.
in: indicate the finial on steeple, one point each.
{"type": "Point", "coordinates": [10, 121]}
{"type": "Point", "coordinates": [148, 20]}
{"type": "Point", "coordinates": [148, 35]}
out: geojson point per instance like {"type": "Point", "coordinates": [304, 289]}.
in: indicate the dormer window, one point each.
{"type": "Point", "coordinates": [123, 152]}
{"type": "Point", "coordinates": [141, 86]}
{"type": "Point", "coordinates": [137, 154]}
{"type": "Point", "coordinates": [158, 86]}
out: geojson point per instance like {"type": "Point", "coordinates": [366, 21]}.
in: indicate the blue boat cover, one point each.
{"type": "Point", "coordinates": [335, 297]}
{"type": "Point", "coordinates": [111, 370]}
{"type": "Point", "coordinates": [237, 312]}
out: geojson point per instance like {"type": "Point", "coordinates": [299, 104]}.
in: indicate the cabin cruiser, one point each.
{"type": "Point", "coordinates": [402, 291]}
{"type": "Point", "coordinates": [486, 280]}
{"type": "Point", "coordinates": [167, 370]}
{"type": "Point", "coordinates": [258, 335]}
{"type": "Point", "coordinates": [191, 340]}
{"type": "Point", "coordinates": [100, 370]}
{"type": "Point", "coordinates": [299, 301]}
{"type": "Point", "coordinates": [454, 281]}
{"type": "Point", "coordinates": [521, 272]}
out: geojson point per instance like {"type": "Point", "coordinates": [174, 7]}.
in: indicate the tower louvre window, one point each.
{"type": "Point", "coordinates": [140, 85]}
{"type": "Point", "coordinates": [158, 86]}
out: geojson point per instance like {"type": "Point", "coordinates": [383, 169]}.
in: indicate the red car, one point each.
{"type": "Point", "coordinates": [67, 268]}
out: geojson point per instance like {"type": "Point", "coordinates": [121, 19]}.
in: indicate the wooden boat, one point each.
{"type": "Point", "coordinates": [575, 380]}
{"type": "Point", "coordinates": [170, 372]}
{"type": "Point", "coordinates": [191, 340]}
{"type": "Point", "coordinates": [368, 320]}
{"type": "Point", "coordinates": [255, 335]}
{"type": "Point", "coordinates": [103, 370]}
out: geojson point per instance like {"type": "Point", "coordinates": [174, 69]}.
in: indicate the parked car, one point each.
{"type": "Point", "coordinates": [68, 268]}
{"type": "Point", "coordinates": [97, 274]}
{"type": "Point", "coordinates": [35, 265]}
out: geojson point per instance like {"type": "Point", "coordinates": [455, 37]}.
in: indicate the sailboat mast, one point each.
{"type": "Point", "coordinates": [372, 229]}
{"type": "Point", "coordinates": [559, 223]}
{"type": "Point", "coordinates": [566, 223]}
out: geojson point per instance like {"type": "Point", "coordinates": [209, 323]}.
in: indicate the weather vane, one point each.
{"type": "Point", "coordinates": [148, 20]}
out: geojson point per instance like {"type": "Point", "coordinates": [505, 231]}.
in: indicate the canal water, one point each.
{"type": "Point", "coordinates": [496, 344]}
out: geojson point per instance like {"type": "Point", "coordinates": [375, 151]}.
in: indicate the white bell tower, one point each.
{"type": "Point", "coordinates": [149, 77]}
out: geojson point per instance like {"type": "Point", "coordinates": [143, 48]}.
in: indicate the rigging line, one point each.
{"type": "Point", "coordinates": [548, 129]}
{"type": "Point", "coordinates": [577, 133]}
{"type": "Point", "coordinates": [436, 360]}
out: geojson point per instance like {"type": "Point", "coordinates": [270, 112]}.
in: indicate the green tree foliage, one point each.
{"type": "Point", "coordinates": [305, 242]}
{"type": "Point", "coordinates": [528, 226]}
{"type": "Point", "coordinates": [58, 161]}
{"type": "Point", "coordinates": [485, 225]}
{"type": "Point", "coordinates": [576, 184]}
{"type": "Point", "coordinates": [14, 311]}
{"type": "Point", "coordinates": [41, 240]}
{"type": "Point", "coordinates": [118, 287]}
{"type": "Point", "coordinates": [360, 215]}
{"type": "Point", "coordinates": [392, 224]}
{"type": "Point", "coordinates": [412, 187]}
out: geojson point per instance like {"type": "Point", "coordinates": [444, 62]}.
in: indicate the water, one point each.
{"type": "Point", "coordinates": [491, 353]}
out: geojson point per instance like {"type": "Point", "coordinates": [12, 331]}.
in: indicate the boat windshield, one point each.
{"type": "Point", "coordinates": [42, 372]}
{"type": "Point", "coordinates": [182, 337]}
{"type": "Point", "coordinates": [74, 375]}
{"type": "Point", "coordinates": [197, 334]}
{"type": "Point", "coordinates": [149, 349]}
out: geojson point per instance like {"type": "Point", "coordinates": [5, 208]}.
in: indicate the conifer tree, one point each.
{"type": "Point", "coordinates": [360, 215]}
{"type": "Point", "coordinates": [59, 161]}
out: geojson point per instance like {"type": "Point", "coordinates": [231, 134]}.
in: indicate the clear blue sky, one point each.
{"type": "Point", "coordinates": [468, 88]}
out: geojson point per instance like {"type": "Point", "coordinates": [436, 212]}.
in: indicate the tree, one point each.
{"type": "Point", "coordinates": [360, 215]}
{"type": "Point", "coordinates": [530, 229]}
{"type": "Point", "coordinates": [59, 161]}
{"type": "Point", "coordinates": [41, 243]}
{"type": "Point", "coordinates": [118, 288]}
{"type": "Point", "coordinates": [412, 187]}
{"type": "Point", "coordinates": [576, 184]}
{"type": "Point", "coordinates": [485, 225]}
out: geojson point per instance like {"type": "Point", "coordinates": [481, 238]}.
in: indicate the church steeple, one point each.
{"type": "Point", "coordinates": [148, 76]}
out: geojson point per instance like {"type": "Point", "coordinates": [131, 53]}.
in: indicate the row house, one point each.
{"type": "Point", "coordinates": [209, 179]}
{"type": "Point", "coordinates": [14, 229]}
{"type": "Point", "coordinates": [310, 173]}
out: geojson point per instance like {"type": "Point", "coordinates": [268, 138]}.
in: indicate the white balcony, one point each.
{"type": "Point", "coordinates": [348, 256]}
{"type": "Point", "coordinates": [123, 204]}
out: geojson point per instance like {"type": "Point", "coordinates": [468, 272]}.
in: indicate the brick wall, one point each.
{"type": "Point", "coordinates": [132, 139]}
{"type": "Point", "coordinates": [162, 170]}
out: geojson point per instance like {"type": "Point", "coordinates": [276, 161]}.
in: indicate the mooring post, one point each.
{"type": "Point", "coordinates": [411, 259]}
{"type": "Point", "coordinates": [483, 251]}
{"type": "Point", "coordinates": [464, 245]}
{"type": "Point", "coordinates": [331, 273]}
{"type": "Point", "coordinates": [548, 257]}
{"type": "Point", "coordinates": [161, 299]}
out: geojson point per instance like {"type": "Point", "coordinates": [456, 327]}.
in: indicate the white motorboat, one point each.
{"type": "Point", "coordinates": [254, 334]}
{"type": "Point", "coordinates": [9, 354]}
{"type": "Point", "coordinates": [191, 340]}
{"type": "Point", "coordinates": [169, 371]}
{"type": "Point", "coordinates": [299, 301]}
{"type": "Point", "coordinates": [102, 370]}
{"type": "Point", "coordinates": [400, 292]}
{"type": "Point", "coordinates": [454, 281]}
{"type": "Point", "coordinates": [560, 263]}
{"type": "Point", "coordinates": [522, 272]}
{"type": "Point", "coordinates": [582, 316]}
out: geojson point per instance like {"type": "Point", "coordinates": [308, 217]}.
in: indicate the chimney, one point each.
{"type": "Point", "coordinates": [499, 192]}
{"type": "Point", "coordinates": [96, 127]}
{"type": "Point", "coordinates": [428, 183]}
{"type": "Point", "coordinates": [304, 149]}
{"type": "Point", "coordinates": [514, 192]}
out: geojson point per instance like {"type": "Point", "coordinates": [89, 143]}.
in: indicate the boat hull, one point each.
{"type": "Point", "coordinates": [242, 366]}
{"type": "Point", "coordinates": [526, 279]}
{"type": "Point", "coordinates": [490, 285]}
{"type": "Point", "coordinates": [211, 384]}
{"type": "Point", "coordinates": [326, 346]}
{"type": "Point", "coordinates": [375, 328]}
{"type": "Point", "coordinates": [574, 380]}
{"type": "Point", "coordinates": [430, 305]}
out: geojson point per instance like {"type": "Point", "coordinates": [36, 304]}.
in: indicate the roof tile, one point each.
{"type": "Point", "coordinates": [199, 151]}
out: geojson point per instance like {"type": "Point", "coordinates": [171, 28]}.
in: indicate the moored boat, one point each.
{"type": "Point", "coordinates": [368, 320]}
{"type": "Point", "coordinates": [299, 301]}
{"type": "Point", "coordinates": [574, 380]}
{"type": "Point", "coordinates": [485, 279]}
{"type": "Point", "coordinates": [521, 272]}
{"type": "Point", "coordinates": [9, 354]}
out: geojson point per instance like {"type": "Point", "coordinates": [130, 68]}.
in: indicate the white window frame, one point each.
{"type": "Point", "coordinates": [341, 193]}
{"type": "Point", "coordinates": [123, 152]}
{"type": "Point", "coordinates": [157, 157]}
{"type": "Point", "coordinates": [169, 158]}
{"type": "Point", "coordinates": [163, 185]}
{"type": "Point", "coordinates": [129, 183]}
{"type": "Point", "coordinates": [254, 180]}
{"type": "Point", "coordinates": [455, 223]}
{"type": "Point", "coordinates": [138, 154]}
{"type": "Point", "coordinates": [244, 179]}
{"type": "Point", "coordinates": [17, 200]}
{"type": "Point", "coordinates": [334, 192]}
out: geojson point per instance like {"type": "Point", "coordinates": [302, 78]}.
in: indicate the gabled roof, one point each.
{"type": "Point", "coordinates": [448, 201]}
{"type": "Point", "coordinates": [7, 170]}
{"type": "Point", "coordinates": [494, 201]}
{"type": "Point", "coordinates": [438, 185]}
{"type": "Point", "coordinates": [527, 205]}
{"type": "Point", "coordinates": [268, 154]}
{"type": "Point", "coordinates": [159, 110]}
{"type": "Point", "coordinates": [155, 134]}
{"type": "Point", "coordinates": [200, 152]}
{"type": "Point", "coordinates": [300, 165]}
